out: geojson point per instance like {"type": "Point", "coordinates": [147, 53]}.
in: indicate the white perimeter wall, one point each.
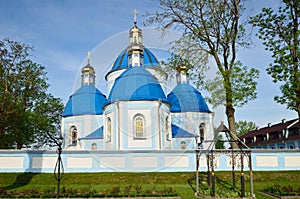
{"type": "Point", "coordinates": [140, 161]}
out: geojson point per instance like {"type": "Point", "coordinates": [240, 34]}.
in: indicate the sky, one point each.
{"type": "Point", "coordinates": [63, 31]}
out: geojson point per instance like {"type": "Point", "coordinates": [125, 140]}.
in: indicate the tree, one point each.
{"type": "Point", "coordinates": [243, 127]}
{"type": "Point", "coordinates": [279, 31]}
{"type": "Point", "coordinates": [193, 66]}
{"type": "Point", "coordinates": [243, 86]}
{"type": "Point", "coordinates": [212, 26]}
{"type": "Point", "coordinates": [27, 111]}
{"type": "Point", "coordinates": [220, 142]}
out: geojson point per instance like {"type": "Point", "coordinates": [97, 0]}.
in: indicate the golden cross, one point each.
{"type": "Point", "coordinates": [89, 55]}
{"type": "Point", "coordinates": [134, 15]}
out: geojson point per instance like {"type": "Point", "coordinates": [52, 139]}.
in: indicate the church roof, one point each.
{"type": "Point", "coordinates": [185, 98]}
{"type": "Point", "coordinates": [97, 134]}
{"type": "Point", "coordinates": [136, 83]}
{"type": "Point", "coordinates": [178, 132]}
{"type": "Point", "coordinates": [87, 100]}
{"type": "Point", "coordinates": [121, 62]}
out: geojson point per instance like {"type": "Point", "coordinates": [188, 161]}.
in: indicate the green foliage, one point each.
{"type": "Point", "coordinates": [243, 86]}
{"type": "Point", "coordinates": [27, 111]}
{"type": "Point", "coordinates": [243, 127]}
{"type": "Point", "coordinates": [220, 143]}
{"type": "Point", "coordinates": [182, 183]}
{"type": "Point", "coordinates": [279, 31]}
{"type": "Point", "coordinates": [279, 190]}
{"type": "Point", "coordinates": [88, 192]}
{"type": "Point", "coordinates": [196, 66]}
{"type": "Point", "coordinates": [212, 27]}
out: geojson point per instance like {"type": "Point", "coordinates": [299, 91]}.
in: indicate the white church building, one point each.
{"type": "Point", "coordinates": [137, 114]}
{"type": "Point", "coordinates": [137, 127]}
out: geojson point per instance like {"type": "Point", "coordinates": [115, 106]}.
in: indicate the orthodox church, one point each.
{"type": "Point", "coordinates": [137, 115]}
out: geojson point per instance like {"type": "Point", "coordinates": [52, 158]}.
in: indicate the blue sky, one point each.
{"type": "Point", "coordinates": [62, 31]}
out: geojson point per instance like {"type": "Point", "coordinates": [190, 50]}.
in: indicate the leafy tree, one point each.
{"type": "Point", "coordinates": [213, 27]}
{"type": "Point", "coordinates": [243, 127]}
{"type": "Point", "coordinates": [279, 31]}
{"type": "Point", "coordinates": [27, 111]}
{"type": "Point", "coordinates": [195, 66]}
{"type": "Point", "coordinates": [243, 86]}
{"type": "Point", "coordinates": [220, 142]}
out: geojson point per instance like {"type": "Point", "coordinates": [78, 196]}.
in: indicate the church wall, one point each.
{"type": "Point", "coordinates": [140, 161]}
{"type": "Point", "coordinates": [92, 144]}
{"type": "Point", "coordinates": [110, 140]}
{"type": "Point", "coordinates": [123, 116]}
{"type": "Point", "coordinates": [130, 142]}
{"type": "Point", "coordinates": [165, 127]}
{"type": "Point", "coordinates": [85, 125]}
{"type": "Point", "coordinates": [183, 143]}
{"type": "Point", "coordinates": [190, 121]}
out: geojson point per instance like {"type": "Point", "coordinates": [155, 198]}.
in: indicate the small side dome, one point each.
{"type": "Point", "coordinates": [87, 100]}
{"type": "Point", "coordinates": [185, 98]}
{"type": "Point", "coordinates": [88, 69]}
{"type": "Point", "coordinates": [136, 83]}
{"type": "Point", "coordinates": [121, 62]}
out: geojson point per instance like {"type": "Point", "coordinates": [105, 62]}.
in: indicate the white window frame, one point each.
{"type": "Point", "coordinates": [74, 139]}
{"type": "Point", "coordinates": [142, 132]}
{"type": "Point", "coordinates": [108, 129]}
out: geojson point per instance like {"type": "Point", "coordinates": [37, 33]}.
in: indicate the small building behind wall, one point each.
{"type": "Point", "coordinates": [283, 135]}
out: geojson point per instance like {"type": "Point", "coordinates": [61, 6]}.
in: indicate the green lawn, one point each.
{"type": "Point", "coordinates": [183, 183]}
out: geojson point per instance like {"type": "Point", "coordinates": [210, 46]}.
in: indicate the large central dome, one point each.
{"type": "Point", "coordinates": [121, 62]}
{"type": "Point", "coordinates": [136, 83]}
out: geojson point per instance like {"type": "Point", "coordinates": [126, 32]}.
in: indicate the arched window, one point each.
{"type": "Point", "coordinates": [94, 146]}
{"type": "Point", "coordinates": [139, 126]}
{"type": "Point", "coordinates": [183, 145]}
{"type": "Point", "coordinates": [167, 129]}
{"type": "Point", "coordinates": [74, 135]}
{"type": "Point", "coordinates": [167, 124]}
{"type": "Point", "coordinates": [201, 132]}
{"type": "Point", "coordinates": [108, 134]}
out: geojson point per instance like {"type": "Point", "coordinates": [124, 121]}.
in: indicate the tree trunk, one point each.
{"type": "Point", "coordinates": [230, 111]}
{"type": "Point", "coordinates": [231, 123]}
{"type": "Point", "coordinates": [298, 110]}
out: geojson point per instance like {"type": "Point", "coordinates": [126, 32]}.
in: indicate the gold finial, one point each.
{"type": "Point", "coordinates": [134, 15]}
{"type": "Point", "coordinates": [89, 56]}
{"type": "Point", "coordinates": [181, 68]}
{"type": "Point", "coordinates": [180, 54]}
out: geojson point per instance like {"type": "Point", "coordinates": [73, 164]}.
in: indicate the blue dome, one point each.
{"type": "Point", "coordinates": [136, 83]}
{"type": "Point", "coordinates": [121, 62]}
{"type": "Point", "coordinates": [185, 98]}
{"type": "Point", "coordinates": [87, 100]}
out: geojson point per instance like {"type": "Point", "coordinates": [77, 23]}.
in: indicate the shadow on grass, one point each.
{"type": "Point", "coordinates": [21, 180]}
{"type": "Point", "coordinates": [192, 181]}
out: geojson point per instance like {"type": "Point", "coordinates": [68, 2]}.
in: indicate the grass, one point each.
{"type": "Point", "coordinates": [183, 183]}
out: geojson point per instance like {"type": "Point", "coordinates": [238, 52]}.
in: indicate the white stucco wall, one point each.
{"type": "Point", "coordinates": [142, 161]}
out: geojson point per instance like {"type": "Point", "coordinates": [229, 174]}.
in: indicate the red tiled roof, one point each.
{"type": "Point", "coordinates": [273, 128]}
{"type": "Point", "coordinates": [276, 134]}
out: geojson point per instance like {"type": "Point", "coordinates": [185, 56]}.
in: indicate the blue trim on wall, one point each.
{"type": "Point", "coordinates": [158, 155]}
